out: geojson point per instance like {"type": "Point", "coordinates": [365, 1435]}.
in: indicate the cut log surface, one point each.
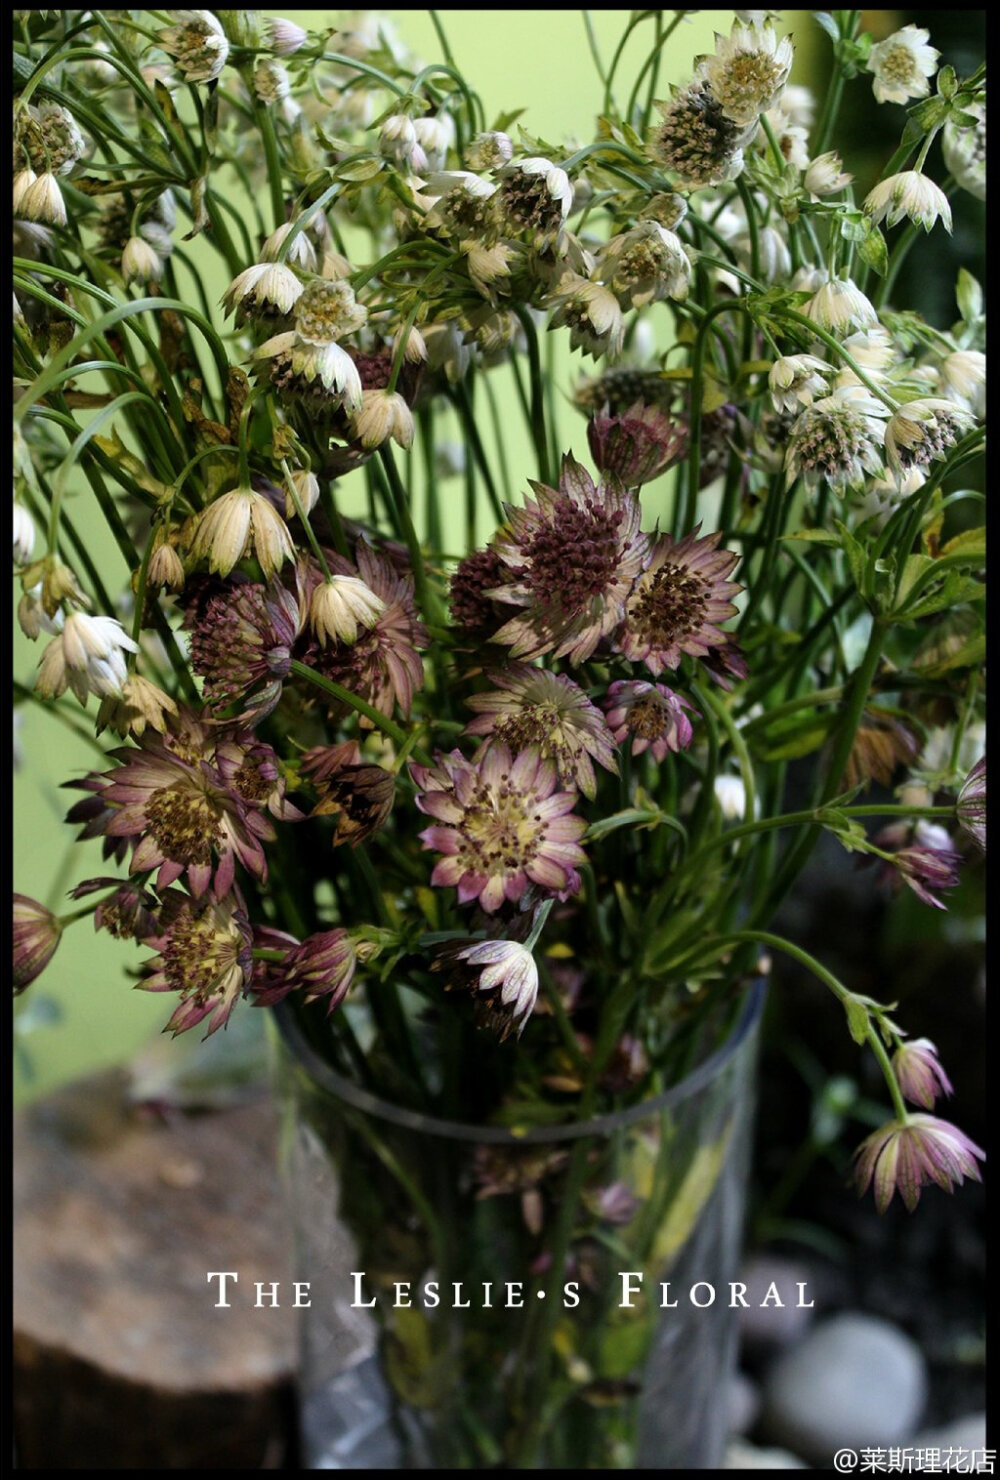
{"type": "Point", "coordinates": [121, 1358]}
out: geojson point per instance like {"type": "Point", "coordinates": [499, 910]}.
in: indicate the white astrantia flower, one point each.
{"type": "Point", "coordinates": [962, 378]}
{"type": "Point", "coordinates": [791, 136]}
{"type": "Point", "coordinates": [42, 200]}
{"type": "Point", "coordinates": [645, 265]}
{"type": "Point", "coordinates": [264, 287]}
{"type": "Point", "coordinates": [235, 522]}
{"type": "Point", "coordinates": [774, 258]}
{"type": "Point", "coordinates": [882, 497]}
{"type": "Point", "coordinates": [798, 104]}
{"type": "Point", "coordinates": [902, 64]}
{"type": "Point", "coordinates": [839, 305]}
{"type": "Point", "coordinates": [509, 976]}
{"type": "Point", "coordinates": [141, 263]}
{"type": "Point", "coordinates": [748, 70]}
{"type": "Point", "coordinates": [731, 795]}
{"type": "Point", "coordinates": [535, 197]}
{"type": "Point", "coordinates": [271, 82]}
{"type": "Point", "coordinates": [33, 619]}
{"type": "Point", "coordinates": [797, 380]}
{"type": "Point", "coordinates": [301, 253]}
{"type": "Point", "coordinates": [489, 266]}
{"type": "Point", "coordinates": [964, 150]}
{"type": "Point", "coordinates": [381, 415]}
{"type": "Point", "coordinates": [88, 656]}
{"type": "Point", "coordinates": [910, 194]}
{"type": "Point", "coordinates": [922, 431]}
{"type": "Point", "coordinates": [325, 313]}
{"type": "Point", "coordinates": [837, 441]}
{"type": "Point", "coordinates": [873, 349]}
{"type": "Point", "coordinates": [284, 36]}
{"type": "Point", "coordinates": [592, 313]}
{"type": "Point", "coordinates": [197, 43]}
{"type": "Point", "coordinates": [415, 352]}
{"type": "Point", "coordinates": [490, 151]}
{"type": "Point", "coordinates": [826, 175]}
{"type": "Point", "coordinates": [23, 180]}
{"type": "Point", "coordinates": [335, 266]}
{"type": "Point", "coordinates": [307, 490]}
{"type": "Point", "coordinates": [341, 606]}
{"type": "Point", "coordinates": [24, 535]}
{"type": "Point", "coordinates": [397, 140]}
{"type": "Point", "coordinates": [435, 135]}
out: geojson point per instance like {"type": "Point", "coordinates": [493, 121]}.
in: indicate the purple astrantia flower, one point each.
{"type": "Point", "coordinates": [36, 934]}
{"type": "Point", "coordinates": [169, 798]}
{"type": "Point", "coordinates": [242, 636]}
{"type": "Point", "coordinates": [500, 824]}
{"type": "Point", "coordinates": [205, 954]}
{"type": "Point", "coordinates": [676, 605]}
{"type": "Point", "coordinates": [383, 666]}
{"type": "Point", "coordinates": [356, 794]}
{"type": "Point", "coordinates": [94, 812]}
{"type": "Point", "coordinates": [904, 1155]}
{"type": "Point", "coordinates": [925, 870]}
{"type": "Point", "coordinates": [574, 553]}
{"type": "Point", "coordinates": [649, 714]}
{"type": "Point", "coordinates": [919, 1073]}
{"type": "Point", "coordinates": [971, 804]}
{"type": "Point", "coordinates": [323, 965]}
{"type": "Point", "coordinates": [636, 445]}
{"type": "Point", "coordinates": [531, 706]}
{"type": "Point", "coordinates": [503, 977]}
{"type": "Point", "coordinates": [475, 612]}
{"type": "Point", "coordinates": [128, 911]}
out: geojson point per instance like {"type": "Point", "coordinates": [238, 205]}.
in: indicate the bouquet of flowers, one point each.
{"type": "Point", "coordinates": [496, 818]}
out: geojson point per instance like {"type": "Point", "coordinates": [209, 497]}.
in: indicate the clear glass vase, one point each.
{"type": "Point", "coordinates": [480, 1298]}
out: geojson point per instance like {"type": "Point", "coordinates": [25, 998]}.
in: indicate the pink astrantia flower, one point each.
{"type": "Point", "coordinates": [649, 714]}
{"type": "Point", "coordinates": [530, 706]}
{"type": "Point", "coordinates": [472, 609]}
{"type": "Point", "coordinates": [503, 977]}
{"type": "Point", "coordinates": [574, 553]}
{"type": "Point", "coordinates": [36, 934]}
{"type": "Point", "coordinates": [676, 605]}
{"type": "Point", "coordinates": [204, 954]}
{"type": "Point", "coordinates": [926, 870]}
{"type": "Point", "coordinates": [242, 636]}
{"type": "Point", "coordinates": [636, 445]}
{"type": "Point", "coordinates": [501, 825]}
{"type": "Point", "coordinates": [919, 1073]}
{"type": "Point", "coordinates": [904, 1155]}
{"type": "Point", "coordinates": [323, 965]}
{"type": "Point", "coordinates": [127, 912]}
{"type": "Point", "coordinates": [971, 804]}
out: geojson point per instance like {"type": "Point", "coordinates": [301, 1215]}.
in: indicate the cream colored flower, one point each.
{"type": "Point", "coordinates": [197, 43]}
{"type": "Point", "coordinates": [645, 265]}
{"type": "Point", "coordinates": [266, 286]}
{"type": "Point", "coordinates": [901, 65]}
{"type": "Point", "coordinates": [23, 181]}
{"type": "Point", "coordinates": [301, 253]}
{"type": "Point", "coordinates": [435, 135]}
{"type": "Point", "coordinates": [88, 656]}
{"type": "Point", "coordinates": [141, 704]}
{"type": "Point", "coordinates": [42, 200]}
{"type": "Point", "coordinates": [826, 174]}
{"type": "Point", "coordinates": [731, 795]}
{"type": "Point", "coordinates": [141, 263]}
{"type": "Point", "coordinates": [922, 431]}
{"type": "Point", "coordinates": [963, 379]}
{"type": "Point", "coordinates": [796, 380]}
{"type": "Point", "coordinates": [271, 82]}
{"type": "Point", "coordinates": [592, 313]}
{"type": "Point", "coordinates": [839, 305]}
{"type": "Point", "coordinates": [964, 150]}
{"type": "Point", "coordinates": [490, 151]}
{"type": "Point", "coordinates": [383, 414]}
{"type": "Point", "coordinates": [909, 194]}
{"type": "Point", "coordinates": [234, 522]}
{"type": "Point", "coordinates": [748, 70]}
{"type": "Point", "coordinates": [24, 535]}
{"type": "Point", "coordinates": [307, 490]}
{"type": "Point", "coordinates": [342, 605]}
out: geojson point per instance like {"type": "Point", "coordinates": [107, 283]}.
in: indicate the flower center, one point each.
{"type": "Point", "coordinates": [648, 717]}
{"type": "Point", "coordinates": [499, 829]}
{"type": "Point", "coordinates": [671, 605]}
{"type": "Point", "coordinates": [198, 955]}
{"type": "Point", "coordinates": [184, 823]}
{"type": "Point", "coordinates": [528, 204]}
{"type": "Point", "coordinates": [898, 65]}
{"type": "Point", "coordinates": [574, 558]}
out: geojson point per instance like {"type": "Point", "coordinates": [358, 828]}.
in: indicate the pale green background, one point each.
{"type": "Point", "coordinates": [536, 59]}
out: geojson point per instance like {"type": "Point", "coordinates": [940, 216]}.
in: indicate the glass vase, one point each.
{"type": "Point", "coordinates": [482, 1298]}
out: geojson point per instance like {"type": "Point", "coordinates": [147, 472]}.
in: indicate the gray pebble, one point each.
{"type": "Point", "coordinates": [967, 1432]}
{"type": "Point", "coordinates": [770, 1326]}
{"type": "Point", "coordinates": [743, 1403]}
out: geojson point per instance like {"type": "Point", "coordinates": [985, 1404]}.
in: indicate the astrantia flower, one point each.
{"type": "Point", "coordinates": [573, 552]}
{"type": "Point", "coordinates": [912, 195]}
{"type": "Point", "coordinates": [489, 151]}
{"type": "Point", "coordinates": [926, 869]}
{"type": "Point", "coordinates": [197, 43]}
{"type": "Point", "coordinates": [306, 486]}
{"type": "Point", "coordinates": [922, 431]}
{"type": "Point", "coordinates": [182, 817]}
{"type": "Point", "coordinates": [340, 606]}
{"type": "Point", "coordinates": [205, 955]}
{"type": "Point", "coordinates": [398, 140]}
{"type": "Point", "coordinates": [636, 445]}
{"type": "Point", "coordinates": [836, 441]}
{"type": "Point", "coordinates": [796, 380]}
{"type": "Point", "coordinates": [839, 305]}
{"type": "Point", "coordinates": [649, 715]}
{"type": "Point", "coordinates": [919, 1073]}
{"type": "Point", "coordinates": [141, 703]}
{"type": "Point", "coordinates": [592, 313]}
{"type": "Point", "coordinates": [36, 934]}
{"type": "Point", "coordinates": [504, 978]}
{"type": "Point", "coordinates": [645, 265]}
{"type": "Point", "coordinates": [127, 912]}
{"type": "Point", "coordinates": [905, 1155]}
{"type": "Point", "coordinates": [826, 175]}
{"type": "Point", "coordinates": [49, 136]}
{"type": "Point", "coordinates": [678, 601]}
{"type": "Point", "coordinates": [24, 535]}
{"type": "Point", "coordinates": [435, 135]}
{"type": "Point", "coordinates": [301, 253]}
{"type": "Point", "coordinates": [325, 313]}
{"type": "Point", "coordinates": [748, 70]}
{"type": "Point", "coordinates": [901, 65]}
{"type": "Point", "coordinates": [962, 378]}
{"type": "Point", "coordinates": [697, 141]}
{"type": "Point", "coordinates": [88, 655]}
{"type": "Point", "coordinates": [971, 803]}
{"type": "Point", "coordinates": [472, 609]}
{"type": "Point", "coordinates": [531, 706]}
{"type": "Point", "coordinates": [267, 289]}
{"type": "Point", "coordinates": [141, 263]}
{"type": "Point", "coordinates": [382, 414]}
{"type": "Point", "coordinates": [271, 82]}
{"type": "Point", "coordinates": [284, 36]}
{"type": "Point", "coordinates": [501, 825]}
{"type": "Point", "coordinates": [41, 200]}
{"type": "Point", "coordinates": [358, 796]}
{"type": "Point", "coordinates": [731, 795]}
{"type": "Point", "coordinates": [964, 150]}
{"type": "Point", "coordinates": [241, 643]}
{"type": "Point", "coordinates": [534, 199]}
{"type": "Point", "coordinates": [383, 666]}
{"type": "Point", "coordinates": [323, 965]}
{"type": "Point", "coordinates": [235, 522]}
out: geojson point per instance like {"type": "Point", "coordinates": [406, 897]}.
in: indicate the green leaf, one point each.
{"type": "Point", "coordinates": [826, 22]}
{"type": "Point", "coordinates": [968, 654]}
{"type": "Point", "coordinates": [969, 296]}
{"type": "Point", "coordinates": [874, 252]}
{"type": "Point", "coordinates": [848, 831]}
{"type": "Point", "coordinates": [790, 738]}
{"type": "Point", "coordinates": [971, 542]}
{"type": "Point", "coordinates": [857, 1019]}
{"type": "Point", "coordinates": [857, 557]}
{"type": "Point", "coordinates": [953, 591]}
{"type": "Point", "coordinates": [814, 536]}
{"type": "Point", "coordinates": [504, 120]}
{"type": "Point", "coordinates": [360, 171]}
{"type": "Point", "coordinates": [947, 82]}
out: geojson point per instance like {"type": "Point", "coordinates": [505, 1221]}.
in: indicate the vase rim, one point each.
{"type": "Point", "coordinates": [455, 1130]}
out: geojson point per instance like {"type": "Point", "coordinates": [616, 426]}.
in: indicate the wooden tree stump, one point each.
{"type": "Point", "coordinates": [121, 1359]}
